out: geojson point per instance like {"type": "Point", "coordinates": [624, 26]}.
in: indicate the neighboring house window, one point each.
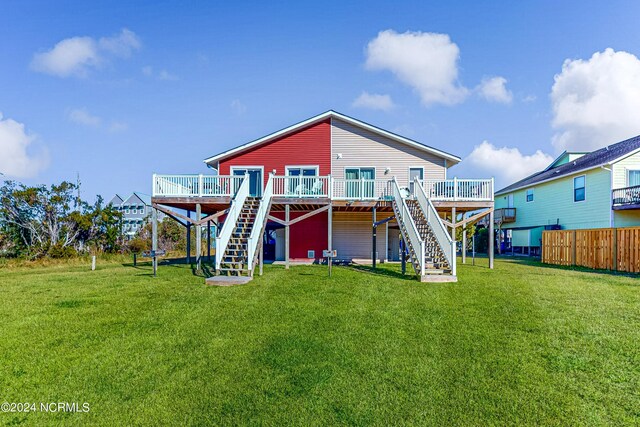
{"type": "Point", "coordinates": [633, 178]}
{"type": "Point", "coordinates": [126, 210]}
{"type": "Point", "coordinates": [530, 195]}
{"type": "Point", "coordinates": [579, 188]}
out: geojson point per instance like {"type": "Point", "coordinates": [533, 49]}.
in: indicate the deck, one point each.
{"type": "Point", "coordinates": [214, 193]}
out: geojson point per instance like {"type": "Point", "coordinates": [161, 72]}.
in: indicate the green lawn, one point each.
{"type": "Point", "coordinates": [523, 344]}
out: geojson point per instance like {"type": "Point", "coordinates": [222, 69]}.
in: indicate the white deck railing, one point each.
{"type": "Point", "coordinates": [439, 230]}
{"type": "Point", "coordinates": [459, 189]}
{"type": "Point", "coordinates": [361, 189]}
{"type": "Point", "coordinates": [320, 187]}
{"type": "Point", "coordinates": [409, 225]}
{"type": "Point", "coordinates": [195, 185]}
{"type": "Point", "coordinates": [258, 223]}
{"type": "Point", "coordinates": [301, 186]}
{"type": "Point", "coordinates": [232, 217]}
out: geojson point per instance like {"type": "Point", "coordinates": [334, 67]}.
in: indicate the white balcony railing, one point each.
{"type": "Point", "coordinates": [301, 186]}
{"type": "Point", "coordinates": [321, 187]}
{"type": "Point", "coordinates": [362, 189]}
{"type": "Point", "coordinates": [195, 185]}
{"type": "Point", "coordinates": [459, 189]}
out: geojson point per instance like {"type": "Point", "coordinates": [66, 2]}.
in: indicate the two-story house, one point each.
{"type": "Point", "coordinates": [577, 190]}
{"type": "Point", "coordinates": [136, 210]}
{"type": "Point", "coordinates": [329, 182]}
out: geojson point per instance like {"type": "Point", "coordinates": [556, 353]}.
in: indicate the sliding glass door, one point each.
{"type": "Point", "coordinates": [360, 182]}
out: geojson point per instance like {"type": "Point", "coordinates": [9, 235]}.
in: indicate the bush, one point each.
{"type": "Point", "coordinates": [482, 240]}
{"type": "Point", "coordinates": [59, 251]}
{"type": "Point", "coordinates": [138, 245]}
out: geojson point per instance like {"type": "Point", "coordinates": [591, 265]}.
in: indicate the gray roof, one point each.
{"type": "Point", "coordinates": [115, 200]}
{"type": "Point", "coordinates": [138, 197]}
{"type": "Point", "coordinates": [591, 160]}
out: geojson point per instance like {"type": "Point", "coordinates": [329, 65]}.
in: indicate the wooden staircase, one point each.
{"type": "Point", "coordinates": [437, 267]}
{"type": "Point", "coordinates": [435, 259]}
{"type": "Point", "coordinates": [235, 260]}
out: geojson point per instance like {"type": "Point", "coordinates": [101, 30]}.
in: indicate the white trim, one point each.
{"type": "Point", "coordinates": [330, 115]}
{"type": "Point", "coordinates": [627, 170]}
{"type": "Point", "coordinates": [573, 196]}
{"type": "Point", "coordinates": [316, 167]}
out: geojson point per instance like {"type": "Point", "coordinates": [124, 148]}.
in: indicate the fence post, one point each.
{"type": "Point", "coordinates": [615, 249]}
{"type": "Point", "coordinates": [575, 236]}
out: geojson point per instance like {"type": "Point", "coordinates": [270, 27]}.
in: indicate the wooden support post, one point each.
{"type": "Point", "coordinates": [286, 238]}
{"type": "Point", "coordinates": [261, 256]}
{"type": "Point", "coordinates": [403, 253]}
{"type": "Point", "coordinates": [492, 239]}
{"type": "Point", "coordinates": [198, 237]}
{"type": "Point", "coordinates": [453, 223]}
{"type": "Point", "coordinates": [154, 238]}
{"type": "Point", "coordinates": [375, 227]}
{"type": "Point", "coordinates": [330, 235]}
{"type": "Point", "coordinates": [208, 241]}
{"type": "Point", "coordinates": [188, 238]}
{"type": "Point", "coordinates": [464, 245]}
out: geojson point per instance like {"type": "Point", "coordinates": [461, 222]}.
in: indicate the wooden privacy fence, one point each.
{"type": "Point", "coordinates": [603, 248]}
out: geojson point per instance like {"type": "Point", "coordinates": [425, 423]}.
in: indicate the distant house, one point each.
{"type": "Point", "coordinates": [577, 190]}
{"type": "Point", "coordinates": [135, 210]}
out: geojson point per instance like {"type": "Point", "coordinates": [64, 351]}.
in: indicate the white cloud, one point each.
{"type": "Point", "coordinates": [494, 89]}
{"type": "Point", "coordinates": [147, 71]}
{"type": "Point", "coordinates": [529, 98]}
{"type": "Point", "coordinates": [596, 102]}
{"type": "Point", "coordinates": [83, 117]}
{"type": "Point", "coordinates": [165, 75]}
{"type": "Point", "coordinates": [122, 44]}
{"type": "Point", "coordinates": [117, 126]}
{"type": "Point", "coordinates": [76, 55]}
{"type": "Point", "coordinates": [428, 62]}
{"type": "Point", "coordinates": [508, 165]}
{"type": "Point", "coordinates": [374, 101]}
{"type": "Point", "coordinates": [238, 107]}
{"type": "Point", "coordinates": [16, 159]}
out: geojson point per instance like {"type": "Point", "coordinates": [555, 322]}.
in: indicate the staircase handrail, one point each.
{"type": "Point", "coordinates": [232, 218]}
{"type": "Point", "coordinates": [437, 226]}
{"type": "Point", "coordinates": [410, 226]}
{"type": "Point", "coordinates": [258, 225]}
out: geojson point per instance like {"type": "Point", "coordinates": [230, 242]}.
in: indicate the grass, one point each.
{"type": "Point", "coordinates": [522, 344]}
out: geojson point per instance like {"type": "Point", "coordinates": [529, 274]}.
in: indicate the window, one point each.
{"type": "Point", "coordinates": [360, 182]}
{"type": "Point", "coordinates": [126, 209]}
{"type": "Point", "coordinates": [578, 188]}
{"type": "Point", "coordinates": [302, 180]}
{"type": "Point", "coordinates": [413, 174]}
{"type": "Point", "coordinates": [633, 178]}
{"type": "Point", "coordinates": [530, 195]}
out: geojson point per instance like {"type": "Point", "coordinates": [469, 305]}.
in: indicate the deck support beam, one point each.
{"type": "Point", "coordinates": [492, 239]}
{"type": "Point", "coordinates": [373, 238]}
{"type": "Point", "coordinates": [286, 238]}
{"type": "Point", "coordinates": [189, 238]}
{"type": "Point", "coordinates": [261, 257]}
{"type": "Point", "coordinates": [198, 237]}
{"type": "Point", "coordinates": [330, 235]}
{"type": "Point", "coordinates": [464, 245]}
{"type": "Point", "coordinates": [154, 238]}
{"type": "Point", "coordinates": [208, 241]}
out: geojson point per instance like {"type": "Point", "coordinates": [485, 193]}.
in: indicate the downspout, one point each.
{"type": "Point", "coordinates": [611, 216]}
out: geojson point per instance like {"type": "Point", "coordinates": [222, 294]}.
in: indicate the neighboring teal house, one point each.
{"type": "Point", "coordinates": [577, 190]}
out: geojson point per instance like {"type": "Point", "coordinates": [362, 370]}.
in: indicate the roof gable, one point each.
{"type": "Point", "coordinates": [451, 159]}
{"type": "Point", "coordinates": [115, 200]}
{"type": "Point", "coordinates": [136, 199]}
{"type": "Point", "coordinates": [604, 156]}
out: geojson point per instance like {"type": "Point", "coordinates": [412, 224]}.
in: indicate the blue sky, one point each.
{"type": "Point", "coordinates": [165, 85]}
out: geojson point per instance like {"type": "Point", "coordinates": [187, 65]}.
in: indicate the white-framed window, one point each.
{"type": "Point", "coordinates": [126, 209]}
{"type": "Point", "coordinates": [302, 180]}
{"type": "Point", "coordinates": [530, 195]}
{"type": "Point", "coordinates": [579, 188]}
{"type": "Point", "coordinates": [633, 178]}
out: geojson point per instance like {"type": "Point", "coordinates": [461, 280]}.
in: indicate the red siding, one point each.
{"type": "Point", "coordinates": [308, 234]}
{"type": "Point", "coordinates": [307, 146]}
